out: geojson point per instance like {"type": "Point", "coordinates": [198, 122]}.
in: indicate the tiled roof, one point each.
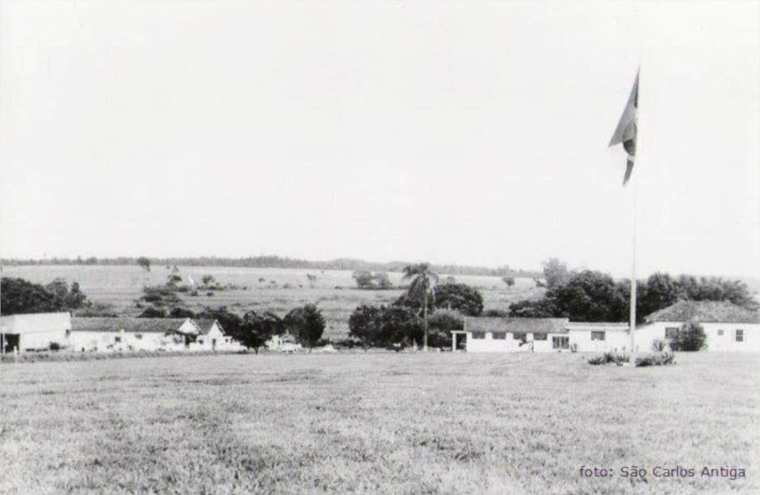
{"type": "Point", "coordinates": [205, 326]}
{"type": "Point", "coordinates": [134, 325]}
{"type": "Point", "coordinates": [521, 325]}
{"type": "Point", "coordinates": [705, 312]}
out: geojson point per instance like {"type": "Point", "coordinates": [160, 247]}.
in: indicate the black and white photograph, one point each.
{"type": "Point", "coordinates": [382, 247]}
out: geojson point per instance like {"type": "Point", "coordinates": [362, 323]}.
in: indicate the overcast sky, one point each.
{"type": "Point", "coordinates": [448, 132]}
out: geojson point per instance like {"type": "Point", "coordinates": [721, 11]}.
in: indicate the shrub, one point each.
{"type": "Point", "coordinates": [663, 359]}
{"type": "Point", "coordinates": [691, 338]}
{"type": "Point", "coordinates": [597, 360]}
{"type": "Point", "coordinates": [659, 345]}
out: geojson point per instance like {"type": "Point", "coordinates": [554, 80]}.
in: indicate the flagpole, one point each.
{"type": "Point", "coordinates": [634, 192]}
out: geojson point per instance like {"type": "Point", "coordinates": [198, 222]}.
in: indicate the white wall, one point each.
{"type": "Point", "coordinates": [613, 341]}
{"type": "Point", "coordinates": [646, 334]}
{"type": "Point", "coordinates": [38, 341]}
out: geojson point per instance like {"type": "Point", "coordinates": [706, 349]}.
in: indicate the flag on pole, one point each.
{"type": "Point", "coordinates": [626, 129]}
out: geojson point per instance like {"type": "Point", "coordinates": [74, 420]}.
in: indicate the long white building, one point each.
{"type": "Point", "coordinates": [728, 327]}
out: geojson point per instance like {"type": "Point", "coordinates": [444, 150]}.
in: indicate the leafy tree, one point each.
{"type": "Point", "coordinates": [255, 330]}
{"type": "Point", "coordinates": [659, 291]}
{"type": "Point", "coordinates": [510, 281]}
{"type": "Point", "coordinates": [691, 337]}
{"type": "Point", "coordinates": [19, 296]}
{"type": "Point", "coordinates": [591, 296]}
{"type": "Point", "coordinates": [208, 280]}
{"type": "Point", "coordinates": [67, 299]}
{"type": "Point", "coordinates": [538, 308]}
{"type": "Point", "coordinates": [179, 312]}
{"type": "Point", "coordinates": [383, 281]}
{"type": "Point", "coordinates": [153, 312]}
{"type": "Point", "coordinates": [442, 322]}
{"type": "Point", "coordinates": [385, 325]}
{"type": "Point", "coordinates": [306, 324]}
{"type": "Point", "coordinates": [422, 281]}
{"type": "Point", "coordinates": [365, 324]}
{"type": "Point", "coordinates": [364, 279]}
{"type": "Point", "coordinates": [228, 320]}
{"type": "Point", "coordinates": [460, 297]}
{"type": "Point", "coordinates": [555, 273]}
{"type": "Point", "coordinates": [144, 263]}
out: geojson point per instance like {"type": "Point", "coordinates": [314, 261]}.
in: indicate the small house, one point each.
{"type": "Point", "coordinates": [728, 327]}
{"type": "Point", "coordinates": [34, 332]}
{"type": "Point", "coordinates": [132, 334]}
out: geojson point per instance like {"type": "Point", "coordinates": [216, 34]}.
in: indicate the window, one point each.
{"type": "Point", "coordinates": [598, 335]}
{"type": "Point", "coordinates": [740, 335]}
{"type": "Point", "coordinates": [478, 335]}
{"type": "Point", "coordinates": [521, 336]}
{"type": "Point", "coordinates": [720, 333]}
{"type": "Point", "coordinates": [560, 342]}
{"type": "Point", "coordinates": [138, 336]}
{"type": "Point", "coordinates": [117, 339]}
{"type": "Point", "coordinates": [499, 336]}
{"type": "Point", "coordinates": [671, 333]}
{"type": "Point", "coordinates": [68, 333]}
{"type": "Point", "coordinates": [539, 336]}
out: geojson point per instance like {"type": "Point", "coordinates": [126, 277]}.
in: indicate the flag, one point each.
{"type": "Point", "coordinates": [626, 129]}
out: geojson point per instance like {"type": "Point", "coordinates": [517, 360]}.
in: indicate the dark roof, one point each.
{"type": "Point", "coordinates": [135, 325]}
{"type": "Point", "coordinates": [206, 325]}
{"type": "Point", "coordinates": [705, 312]}
{"type": "Point", "coordinates": [520, 325]}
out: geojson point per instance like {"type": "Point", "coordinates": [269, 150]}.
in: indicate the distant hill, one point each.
{"type": "Point", "coordinates": [281, 262]}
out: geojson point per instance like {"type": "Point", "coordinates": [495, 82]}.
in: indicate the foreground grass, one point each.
{"type": "Point", "coordinates": [375, 423]}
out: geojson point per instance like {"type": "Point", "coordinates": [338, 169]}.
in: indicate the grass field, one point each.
{"type": "Point", "coordinates": [334, 292]}
{"type": "Point", "coordinates": [376, 423]}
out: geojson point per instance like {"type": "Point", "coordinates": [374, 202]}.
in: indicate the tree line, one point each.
{"type": "Point", "coordinates": [272, 261]}
{"type": "Point", "coordinates": [593, 296]}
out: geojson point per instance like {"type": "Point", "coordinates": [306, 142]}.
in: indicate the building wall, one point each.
{"type": "Point", "coordinates": [646, 334]}
{"type": "Point", "coordinates": [613, 341]}
{"type": "Point", "coordinates": [38, 341]}
{"type": "Point", "coordinates": [107, 341]}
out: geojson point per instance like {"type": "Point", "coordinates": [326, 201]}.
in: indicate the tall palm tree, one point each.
{"type": "Point", "coordinates": [423, 280]}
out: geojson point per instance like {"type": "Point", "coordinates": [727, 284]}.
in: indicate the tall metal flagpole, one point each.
{"type": "Point", "coordinates": [634, 192]}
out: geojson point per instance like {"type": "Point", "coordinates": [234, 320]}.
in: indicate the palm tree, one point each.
{"type": "Point", "coordinates": [422, 284]}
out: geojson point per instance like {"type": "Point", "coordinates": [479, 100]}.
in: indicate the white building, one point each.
{"type": "Point", "coordinates": [132, 334]}
{"type": "Point", "coordinates": [213, 338]}
{"type": "Point", "coordinates": [513, 334]}
{"type": "Point", "coordinates": [728, 327]}
{"type": "Point", "coordinates": [34, 332]}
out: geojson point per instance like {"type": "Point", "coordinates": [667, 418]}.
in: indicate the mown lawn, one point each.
{"type": "Point", "coordinates": [375, 423]}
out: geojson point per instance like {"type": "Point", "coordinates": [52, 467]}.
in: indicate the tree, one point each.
{"type": "Point", "coordinates": [510, 281]}
{"type": "Point", "coordinates": [461, 297]}
{"type": "Point", "coordinates": [691, 337]}
{"type": "Point", "coordinates": [555, 273]}
{"type": "Point", "coordinates": [383, 281]}
{"type": "Point", "coordinates": [591, 296]}
{"type": "Point", "coordinates": [364, 279]}
{"type": "Point", "coordinates": [19, 296]}
{"type": "Point", "coordinates": [144, 263]}
{"type": "Point", "coordinates": [306, 324]}
{"type": "Point", "coordinates": [179, 312]}
{"type": "Point", "coordinates": [422, 281]}
{"type": "Point", "coordinates": [153, 312]}
{"type": "Point", "coordinates": [208, 280]}
{"type": "Point", "coordinates": [255, 330]}
{"type": "Point", "coordinates": [659, 291]}
{"type": "Point", "coordinates": [538, 308]}
{"type": "Point", "coordinates": [228, 320]}
{"type": "Point", "coordinates": [365, 324]}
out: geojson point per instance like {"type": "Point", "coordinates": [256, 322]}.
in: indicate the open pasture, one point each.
{"type": "Point", "coordinates": [376, 423]}
{"type": "Point", "coordinates": [268, 289]}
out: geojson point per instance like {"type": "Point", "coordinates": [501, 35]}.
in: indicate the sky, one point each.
{"type": "Point", "coordinates": [467, 133]}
